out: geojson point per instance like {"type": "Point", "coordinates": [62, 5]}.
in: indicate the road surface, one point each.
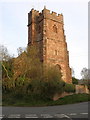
{"type": "Point", "coordinates": [79, 110]}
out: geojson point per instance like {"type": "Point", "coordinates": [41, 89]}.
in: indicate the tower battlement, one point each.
{"type": "Point", "coordinates": [45, 13]}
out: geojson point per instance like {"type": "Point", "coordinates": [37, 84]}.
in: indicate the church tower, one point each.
{"type": "Point", "coordinates": [46, 29]}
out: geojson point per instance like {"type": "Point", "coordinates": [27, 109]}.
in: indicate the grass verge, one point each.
{"type": "Point", "coordinates": [9, 100]}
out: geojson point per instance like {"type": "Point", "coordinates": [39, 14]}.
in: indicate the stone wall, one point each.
{"type": "Point", "coordinates": [57, 96]}
{"type": "Point", "coordinates": [47, 30]}
{"type": "Point", "coordinates": [79, 89]}
{"type": "Point", "coordinates": [82, 89]}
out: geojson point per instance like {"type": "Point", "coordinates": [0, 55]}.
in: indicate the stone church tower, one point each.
{"type": "Point", "coordinates": [46, 30]}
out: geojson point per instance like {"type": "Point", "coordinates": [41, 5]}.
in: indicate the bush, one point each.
{"type": "Point", "coordinates": [52, 82]}
{"type": "Point", "coordinates": [74, 80]}
{"type": "Point", "coordinates": [69, 88]}
{"type": "Point", "coordinates": [88, 86]}
{"type": "Point", "coordinates": [47, 85]}
{"type": "Point", "coordinates": [30, 77]}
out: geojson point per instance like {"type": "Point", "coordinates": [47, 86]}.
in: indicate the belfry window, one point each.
{"type": "Point", "coordinates": [55, 28]}
{"type": "Point", "coordinates": [56, 52]}
{"type": "Point", "coordinates": [39, 29]}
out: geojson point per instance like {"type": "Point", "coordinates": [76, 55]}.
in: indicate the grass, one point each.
{"type": "Point", "coordinates": [9, 100]}
{"type": "Point", "coordinates": [76, 98]}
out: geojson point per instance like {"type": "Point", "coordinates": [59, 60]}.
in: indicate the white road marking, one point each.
{"type": "Point", "coordinates": [1, 116]}
{"type": "Point", "coordinates": [14, 116]}
{"type": "Point", "coordinates": [72, 114]}
{"type": "Point", "coordinates": [31, 116]}
{"type": "Point", "coordinates": [43, 115]}
{"type": "Point", "coordinates": [62, 116]}
{"type": "Point", "coordinates": [67, 117]}
{"type": "Point", "coordinates": [46, 116]}
{"type": "Point", "coordinates": [84, 113]}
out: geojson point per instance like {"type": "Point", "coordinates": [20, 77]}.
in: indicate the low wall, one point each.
{"type": "Point", "coordinates": [82, 89]}
{"type": "Point", "coordinates": [58, 95]}
{"type": "Point", "coordinates": [79, 89]}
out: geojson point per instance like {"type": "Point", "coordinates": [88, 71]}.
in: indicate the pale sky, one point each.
{"type": "Point", "coordinates": [14, 31]}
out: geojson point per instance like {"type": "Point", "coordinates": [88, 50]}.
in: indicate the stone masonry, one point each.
{"type": "Point", "coordinates": [47, 30]}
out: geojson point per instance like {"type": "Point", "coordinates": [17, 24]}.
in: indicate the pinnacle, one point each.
{"type": "Point", "coordinates": [44, 6]}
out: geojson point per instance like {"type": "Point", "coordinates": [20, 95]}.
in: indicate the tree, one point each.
{"type": "Point", "coordinates": [69, 88]}
{"type": "Point", "coordinates": [48, 85]}
{"type": "Point", "coordinates": [27, 63]}
{"type": "Point", "coordinates": [73, 72]}
{"type": "Point", "coordinates": [6, 62]}
{"type": "Point", "coordinates": [20, 50]}
{"type": "Point", "coordinates": [42, 80]}
{"type": "Point", "coordinates": [4, 55]}
{"type": "Point", "coordinates": [84, 73]}
{"type": "Point", "coordinates": [74, 80]}
{"type": "Point", "coordinates": [86, 77]}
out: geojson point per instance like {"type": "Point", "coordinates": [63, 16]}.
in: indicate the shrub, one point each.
{"type": "Point", "coordinates": [47, 85]}
{"type": "Point", "coordinates": [74, 80]}
{"type": "Point", "coordinates": [52, 82]}
{"type": "Point", "coordinates": [31, 77]}
{"type": "Point", "coordinates": [88, 86]}
{"type": "Point", "coordinates": [69, 88]}
{"type": "Point", "coordinates": [50, 88]}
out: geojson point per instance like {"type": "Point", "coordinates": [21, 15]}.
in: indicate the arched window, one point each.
{"type": "Point", "coordinates": [55, 28]}
{"type": "Point", "coordinates": [58, 67]}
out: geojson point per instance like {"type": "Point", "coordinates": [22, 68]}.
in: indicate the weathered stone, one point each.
{"type": "Point", "coordinates": [47, 30]}
{"type": "Point", "coordinates": [82, 89]}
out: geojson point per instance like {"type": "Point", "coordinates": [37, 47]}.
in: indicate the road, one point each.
{"type": "Point", "coordinates": [79, 110]}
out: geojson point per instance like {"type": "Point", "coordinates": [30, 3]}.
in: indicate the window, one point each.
{"type": "Point", "coordinates": [55, 28]}
{"type": "Point", "coordinates": [56, 52]}
{"type": "Point", "coordinates": [39, 29]}
{"type": "Point", "coordinates": [58, 67]}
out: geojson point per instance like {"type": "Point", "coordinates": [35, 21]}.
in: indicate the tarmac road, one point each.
{"type": "Point", "coordinates": [79, 110]}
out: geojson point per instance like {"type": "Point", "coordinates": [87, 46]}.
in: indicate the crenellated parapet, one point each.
{"type": "Point", "coordinates": [36, 16]}
{"type": "Point", "coordinates": [52, 15]}
{"type": "Point", "coordinates": [32, 16]}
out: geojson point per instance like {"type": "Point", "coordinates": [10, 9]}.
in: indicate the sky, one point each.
{"type": "Point", "coordinates": [14, 31]}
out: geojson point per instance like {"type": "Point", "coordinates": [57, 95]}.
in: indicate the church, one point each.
{"type": "Point", "coordinates": [47, 30]}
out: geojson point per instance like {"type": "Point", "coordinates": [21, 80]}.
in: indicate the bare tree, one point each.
{"type": "Point", "coordinates": [4, 55]}
{"type": "Point", "coordinates": [73, 72]}
{"type": "Point", "coordinates": [84, 73]}
{"type": "Point", "coordinates": [20, 50]}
